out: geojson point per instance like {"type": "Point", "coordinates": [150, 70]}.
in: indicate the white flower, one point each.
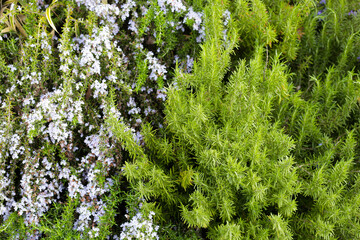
{"type": "Point", "coordinates": [161, 94]}
{"type": "Point", "coordinates": [131, 102]}
{"type": "Point", "coordinates": [135, 110]}
{"type": "Point", "coordinates": [75, 186]}
{"type": "Point", "coordinates": [12, 68]}
{"type": "Point", "coordinates": [126, 8]}
{"type": "Point", "coordinates": [189, 63]}
{"type": "Point", "coordinates": [14, 146]}
{"type": "Point", "coordinates": [28, 101]}
{"type": "Point", "coordinates": [157, 69]}
{"type": "Point", "coordinates": [58, 131]}
{"type": "Point", "coordinates": [112, 77]}
{"type": "Point", "coordinates": [139, 228]}
{"type": "Point", "coordinates": [176, 5]}
{"type": "Point", "coordinates": [201, 36]}
{"type": "Point", "coordinates": [195, 16]}
{"type": "Point", "coordinates": [149, 110]}
{"type": "Point", "coordinates": [93, 48]}
{"type": "Point", "coordinates": [132, 26]}
{"type": "Point", "coordinates": [102, 10]}
{"type": "Point", "coordinates": [137, 137]}
{"type": "Point", "coordinates": [100, 88]}
{"type": "Point", "coordinates": [227, 17]}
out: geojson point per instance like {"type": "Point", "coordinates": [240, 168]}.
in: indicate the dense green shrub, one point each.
{"type": "Point", "coordinates": [179, 119]}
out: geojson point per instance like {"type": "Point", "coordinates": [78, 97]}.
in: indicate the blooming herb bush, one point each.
{"type": "Point", "coordinates": [173, 119]}
{"type": "Point", "coordinates": [62, 78]}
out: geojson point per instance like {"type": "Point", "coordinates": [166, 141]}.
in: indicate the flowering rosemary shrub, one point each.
{"type": "Point", "coordinates": [66, 67]}
{"type": "Point", "coordinates": [174, 119]}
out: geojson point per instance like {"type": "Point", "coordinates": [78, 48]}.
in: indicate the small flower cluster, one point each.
{"type": "Point", "coordinates": [52, 109]}
{"type": "Point", "coordinates": [5, 194]}
{"type": "Point", "coordinates": [100, 88]}
{"type": "Point", "coordinates": [92, 49]}
{"type": "Point", "coordinates": [101, 10]}
{"type": "Point", "coordinates": [126, 8]}
{"type": "Point", "coordinates": [227, 19]}
{"type": "Point", "coordinates": [139, 228]}
{"type": "Point", "coordinates": [175, 5]}
{"type": "Point", "coordinates": [186, 65]}
{"type": "Point", "coordinates": [37, 190]}
{"type": "Point", "coordinates": [157, 70]}
{"type": "Point", "coordinates": [15, 147]}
